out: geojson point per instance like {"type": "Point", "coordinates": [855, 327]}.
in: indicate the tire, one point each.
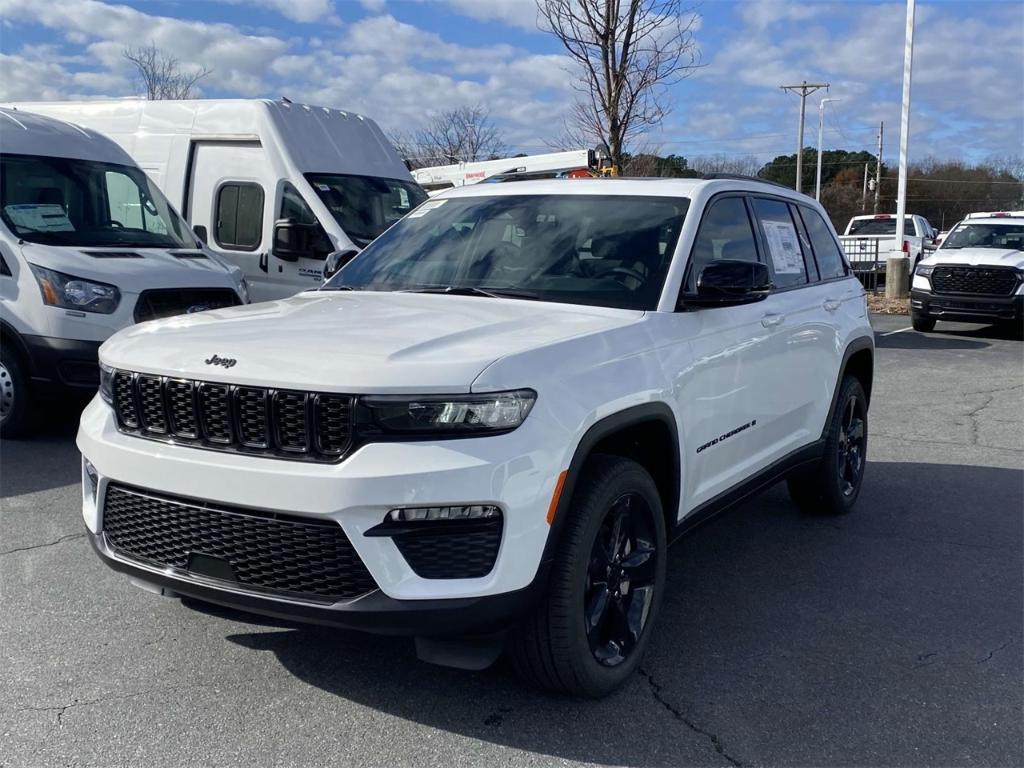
{"type": "Point", "coordinates": [922, 323]}
{"type": "Point", "coordinates": [832, 485]}
{"type": "Point", "coordinates": [14, 396]}
{"type": "Point", "coordinates": [552, 649]}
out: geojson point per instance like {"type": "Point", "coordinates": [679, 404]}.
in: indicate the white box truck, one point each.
{"type": "Point", "coordinates": [272, 186]}
{"type": "Point", "coordinates": [88, 246]}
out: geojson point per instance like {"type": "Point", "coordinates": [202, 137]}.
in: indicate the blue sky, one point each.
{"type": "Point", "coordinates": [402, 60]}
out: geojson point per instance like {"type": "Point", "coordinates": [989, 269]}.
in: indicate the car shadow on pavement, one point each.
{"type": "Point", "coordinates": [926, 342]}
{"type": "Point", "coordinates": [891, 635]}
{"type": "Point", "coordinates": [48, 457]}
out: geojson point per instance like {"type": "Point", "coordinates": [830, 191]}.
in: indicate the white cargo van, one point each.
{"type": "Point", "coordinates": [272, 186]}
{"type": "Point", "coordinates": [88, 245]}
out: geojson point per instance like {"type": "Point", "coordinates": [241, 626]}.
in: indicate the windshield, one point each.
{"type": "Point", "coordinates": [364, 206]}
{"type": "Point", "coordinates": [880, 226]}
{"type": "Point", "coordinates": [1002, 236]}
{"type": "Point", "coordinates": [63, 201]}
{"type": "Point", "coordinates": [605, 250]}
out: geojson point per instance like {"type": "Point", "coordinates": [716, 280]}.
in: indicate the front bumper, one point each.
{"type": "Point", "coordinates": [509, 471]}
{"type": "Point", "coordinates": [967, 308]}
{"type": "Point", "coordinates": [63, 362]}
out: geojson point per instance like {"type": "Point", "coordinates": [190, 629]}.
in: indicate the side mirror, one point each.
{"type": "Point", "coordinates": [337, 260]}
{"type": "Point", "coordinates": [292, 240]}
{"type": "Point", "coordinates": [728, 282]}
{"type": "Point", "coordinates": [200, 232]}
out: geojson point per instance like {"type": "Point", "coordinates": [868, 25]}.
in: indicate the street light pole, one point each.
{"type": "Point", "coordinates": [821, 129]}
{"type": "Point", "coordinates": [898, 288]}
{"type": "Point", "coordinates": [805, 89]}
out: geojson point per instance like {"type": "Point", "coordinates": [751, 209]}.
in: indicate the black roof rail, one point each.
{"type": "Point", "coordinates": [741, 177]}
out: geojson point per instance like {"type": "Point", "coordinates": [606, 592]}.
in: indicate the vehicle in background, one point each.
{"type": "Point", "coordinates": [576, 163]}
{"type": "Point", "coordinates": [976, 275]}
{"type": "Point", "coordinates": [272, 186]}
{"type": "Point", "coordinates": [869, 241]}
{"type": "Point", "coordinates": [940, 237]}
{"type": "Point", "coordinates": [508, 405]}
{"type": "Point", "coordinates": [88, 245]}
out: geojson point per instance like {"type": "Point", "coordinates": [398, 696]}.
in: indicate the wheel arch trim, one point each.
{"type": "Point", "coordinates": [858, 344]}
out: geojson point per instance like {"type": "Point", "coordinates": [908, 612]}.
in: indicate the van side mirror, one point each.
{"type": "Point", "coordinates": [292, 239]}
{"type": "Point", "coordinates": [337, 260]}
{"type": "Point", "coordinates": [727, 282]}
{"type": "Point", "coordinates": [200, 232]}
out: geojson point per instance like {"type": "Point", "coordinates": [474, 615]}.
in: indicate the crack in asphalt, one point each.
{"type": "Point", "coordinates": [60, 709]}
{"type": "Point", "coordinates": [681, 717]}
{"type": "Point", "coordinates": [994, 651]}
{"type": "Point", "coordinates": [61, 540]}
{"type": "Point", "coordinates": [924, 441]}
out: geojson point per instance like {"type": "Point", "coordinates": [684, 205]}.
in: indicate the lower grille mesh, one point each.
{"type": "Point", "coordinates": [289, 556]}
{"type": "Point", "coordinates": [442, 554]}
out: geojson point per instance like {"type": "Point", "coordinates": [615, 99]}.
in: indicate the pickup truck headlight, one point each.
{"type": "Point", "coordinates": [924, 270]}
{"type": "Point", "coordinates": [107, 383]}
{"type": "Point", "coordinates": [69, 292]}
{"type": "Point", "coordinates": [448, 415]}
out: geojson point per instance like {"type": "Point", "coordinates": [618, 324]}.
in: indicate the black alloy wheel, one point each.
{"type": "Point", "coordinates": [851, 446]}
{"type": "Point", "coordinates": [620, 580]}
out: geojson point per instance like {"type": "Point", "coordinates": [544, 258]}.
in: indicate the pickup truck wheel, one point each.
{"type": "Point", "coordinates": [589, 633]}
{"type": "Point", "coordinates": [922, 323]}
{"type": "Point", "coordinates": [14, 404]}
{"type": "Point", "coordinates": [832, 485]}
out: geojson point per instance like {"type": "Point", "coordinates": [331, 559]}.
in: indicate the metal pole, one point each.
{"type": "Point", "coordinates": [878, 167]}
{"type": "Point", "coordinates": [805, 90]}
{"type": "Point", "coordinates": [821, 128]}
{"type": "Point", "coordinates": [901, 194]}
{"type": "Point", "coordinates": [864, 194]}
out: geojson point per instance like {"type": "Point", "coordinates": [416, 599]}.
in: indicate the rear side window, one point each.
{"type": "Point", "coordinates": [826, 251]}
{"type": "Point", "coordinates": [725, 233]}
{"type": "Point", "coordinates": [785, 251]}
{"type": "Point", "coordinates": [239, 225]}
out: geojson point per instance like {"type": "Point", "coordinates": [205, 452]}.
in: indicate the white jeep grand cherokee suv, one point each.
{"type": "Point", "coordinates": [485, 429]}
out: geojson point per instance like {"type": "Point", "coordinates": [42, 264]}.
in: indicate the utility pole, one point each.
{"type": "Point", "coordinates": [805, 89]}
{"type": "Point", "coordinates": [902, 255]}
{"type": "Point", "coordinates": [821, 129]}
{"type": "Point", "coordinates": [878, 167]}
{"type": "Point", "coordinates": [864, 194]}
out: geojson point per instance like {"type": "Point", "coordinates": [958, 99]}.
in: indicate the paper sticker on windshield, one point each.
{"type": "Point", "coordinates": [41, 217]}
{"type": "Point", "coordinates": [426, 208]}
{"type": "Point", "coordinates": [323, 187]}
{"type": "Point", "coordinates": [784, 248]}
{"type": "Point", "coordinates": [403, 198]}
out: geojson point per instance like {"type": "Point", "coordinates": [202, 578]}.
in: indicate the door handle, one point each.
{"type": "Point", "coordinates": [832, 304]}
{"type": "Point", "coordinates": [771, 320]}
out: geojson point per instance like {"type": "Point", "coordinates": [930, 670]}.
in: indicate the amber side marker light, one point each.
{"type": "Point", "coordinates": [553, 506]}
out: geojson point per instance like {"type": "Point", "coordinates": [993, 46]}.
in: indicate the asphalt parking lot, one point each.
{"type": "Point", "coordinates": [892, 636]}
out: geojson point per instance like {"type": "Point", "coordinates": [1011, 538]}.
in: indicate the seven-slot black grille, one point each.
{"type": "Point", "coordinates": [268, 422]}
{"type": "Point", "coordinates": [278, 554]}
{"type": "Point", "coordinates": [994, 281]}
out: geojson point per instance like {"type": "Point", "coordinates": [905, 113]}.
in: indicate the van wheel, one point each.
{"type": "Point", "coordinates": [832, 485]}
{"type": "Point", "coordinates": [922, 323]}
{"type": "Point", "coordinates": [588, 634]}
{"type": "Point", "coordinates": [14, 400]}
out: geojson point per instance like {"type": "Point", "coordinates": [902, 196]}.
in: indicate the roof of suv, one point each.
{"type": "Point", "coordinates": [659, 187]}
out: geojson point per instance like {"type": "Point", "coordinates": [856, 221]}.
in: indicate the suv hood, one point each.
{"type": "Point", "coordinates": [358, 342]}
{"type": "Point", "coordinates": [978, 257]}
{"type": "Point", "coordinates": [134, 270]}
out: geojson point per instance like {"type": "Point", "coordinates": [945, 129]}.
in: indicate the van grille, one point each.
{"type": "Point", "coordinates": [167, 302]}
{"type": "Point", "coordinates": [270, 422]}
{"type": "Point", "coordinates": [266, 552]}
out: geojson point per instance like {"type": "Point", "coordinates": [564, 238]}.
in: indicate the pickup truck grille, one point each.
{"type": "Point", "coordinates": [281, 423]}
{"type": "Point", "coordinates": [993, 281]}
{"type": "Point", "coordinates": [271, 553]}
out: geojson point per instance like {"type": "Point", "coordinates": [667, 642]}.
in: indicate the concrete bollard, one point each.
{"type": "Point", "coordinates": [896, 277]}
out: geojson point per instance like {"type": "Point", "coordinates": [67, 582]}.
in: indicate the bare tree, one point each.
{"type": "Point", "coordinates": [465, 134]}
{"type": "Point", "coordinates": [161, 76]}
{"type": "Point", "coordinates": [744, 165]}
{"type": "Point", "coordinates": [628, 52]}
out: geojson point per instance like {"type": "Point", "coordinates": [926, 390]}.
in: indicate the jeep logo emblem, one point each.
{"type": "Point", "coordinates": [227, 362]}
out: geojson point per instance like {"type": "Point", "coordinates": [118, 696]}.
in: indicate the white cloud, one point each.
{"type": "Point", "coordinates": [516, 13]}
{"type": "Point", "coordinates": [304, 11]}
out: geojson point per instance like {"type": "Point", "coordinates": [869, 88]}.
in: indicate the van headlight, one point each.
{"type": "Point", "coordinates": [446, 415]}
{"type": "Point", "coordinates": [69, 292]}
{"type": "Point", "coordinates": [243, 291]}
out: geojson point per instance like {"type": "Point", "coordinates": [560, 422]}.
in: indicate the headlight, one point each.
{"type": "Point", "coordinates": [243, 291]}
{"type": "Point", "coordinates": [450, 415]}
{"type": "Point", "coordinates": [60, 290]}
{"type": "Point", "coordinates": [107, 383]}
{"type": "Point", "coordinates": [924, 269]}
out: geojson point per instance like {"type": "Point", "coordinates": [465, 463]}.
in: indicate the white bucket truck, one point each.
{"type": "Point", "coordinates": [272, 186]}
{"type": "Point", "coordinates": [88, 245]}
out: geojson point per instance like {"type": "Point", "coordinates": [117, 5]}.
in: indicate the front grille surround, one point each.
{"type": "Point", "coordinates": [975, 280]}
{"type": "Point", "coordinates": [269, 553]}
{"type": "Point", "coordinates": [280, 423]}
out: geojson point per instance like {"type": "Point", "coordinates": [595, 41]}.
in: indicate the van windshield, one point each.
{"type": "Point", "coordinates": [364, 206]}
{"type": "Point", "coordinates": [66, 201]}
{"type": "Point", "coordinates": [603, 250]}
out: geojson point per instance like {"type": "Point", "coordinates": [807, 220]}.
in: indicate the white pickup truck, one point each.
{"type": "Point", "coordinates": [868, 240]}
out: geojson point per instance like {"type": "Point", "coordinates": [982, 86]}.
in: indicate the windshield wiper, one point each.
{"type": "Point", "coordinates": [337, 288]}
{"type": "Point", "coordinates": [471, 290]}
